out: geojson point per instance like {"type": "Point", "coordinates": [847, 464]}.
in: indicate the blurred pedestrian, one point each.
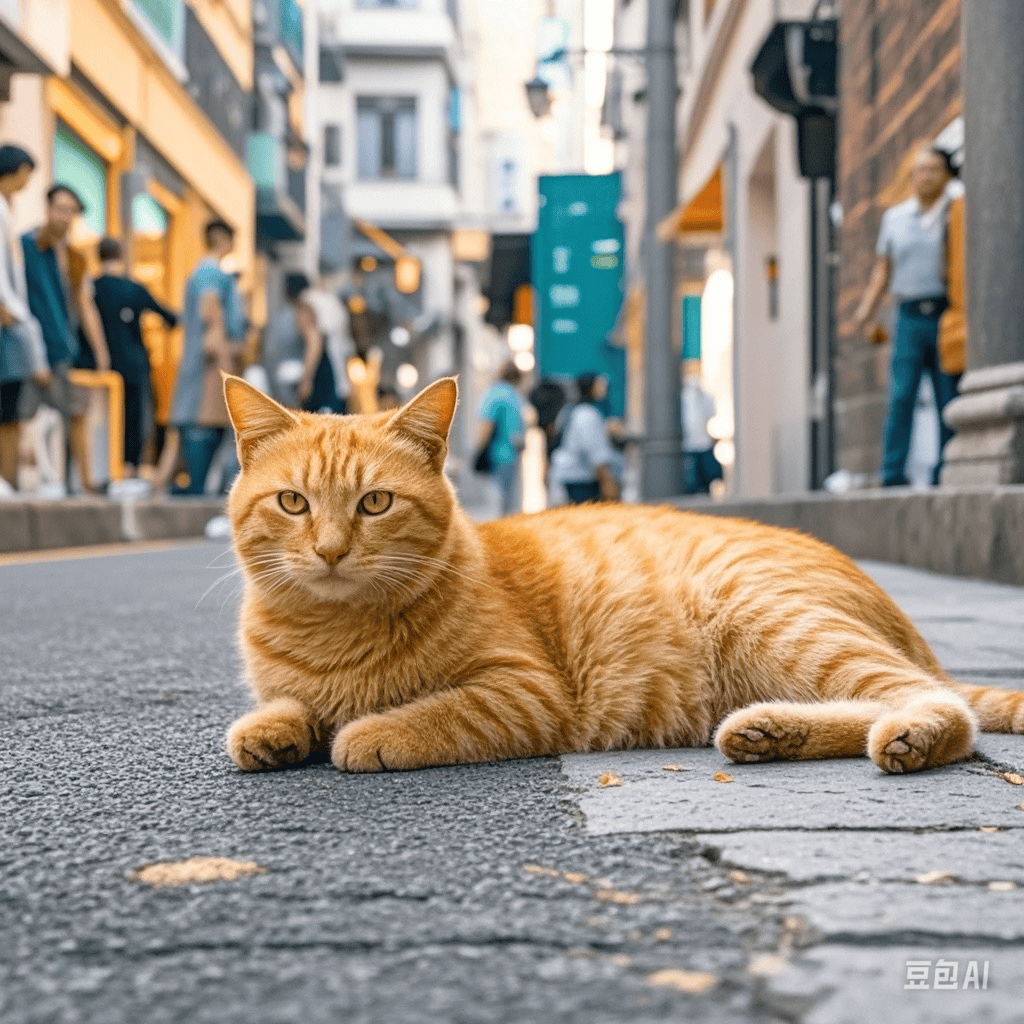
{"type": "Point", "coordinates": [60, 295]}
{"type": "Point", "coordinates": [120, 302]}
{"type": "Point", "coordinates": [214, 341]}
{"type": "Point", "coordinates": [283, 353]}
{"type": "Point", "coordinates": [548, 397]}
{"type": "Point", "coordinates": [911, 262]}
{"type": "Point", "coordinates": [22, 350]}
{"type": "Point", "coordinates": [585, 462]}
{"type": "Point", "coordinates": [698, 406]}
{"type": "Point", "coordinates": [332, 324]}
{"type": "Point", "coordinates": [501, 439]}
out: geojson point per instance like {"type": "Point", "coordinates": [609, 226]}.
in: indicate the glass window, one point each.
{"type": "Point", "coordinates": [84, 170]}
{"type": "Point", "coordinates": [332, 145]}
{"type": "Point", "coordinates": [386, 128]}
{"type": "Point", "coordinates": [148, 216]}
{"type": "Point", "coordinates": [168, 19]}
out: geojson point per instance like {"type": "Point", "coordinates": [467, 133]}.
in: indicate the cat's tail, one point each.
{"type": "Point", "coordinates": [997, 710]}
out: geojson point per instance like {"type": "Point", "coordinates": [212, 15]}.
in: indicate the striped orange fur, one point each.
{"type": "Point", "coordinates": [381, 626]}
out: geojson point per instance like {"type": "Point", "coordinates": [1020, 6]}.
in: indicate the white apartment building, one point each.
{"type": "Point", "coordinates": [742, 231]}
{"type": "Point", "coordinates": [391, 106]}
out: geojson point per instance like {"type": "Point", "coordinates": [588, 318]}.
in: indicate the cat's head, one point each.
{"type": "Point", "coordinates": [340, 509]}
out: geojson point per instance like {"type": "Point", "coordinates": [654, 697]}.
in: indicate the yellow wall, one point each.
{"type": "Point", "coordinates": [113, 54]}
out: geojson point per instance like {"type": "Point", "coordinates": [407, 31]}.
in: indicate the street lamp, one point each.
{"type": "Point", "coordinates": [538, 96]}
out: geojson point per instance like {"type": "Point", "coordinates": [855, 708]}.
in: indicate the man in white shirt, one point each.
{"type": "Point", "coordinates": [911, 262]}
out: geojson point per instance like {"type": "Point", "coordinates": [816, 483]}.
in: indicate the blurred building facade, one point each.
{"type": "Point", "coordinates": [741, 232]}
{"type": "Point", "coordinates": [145, 112]}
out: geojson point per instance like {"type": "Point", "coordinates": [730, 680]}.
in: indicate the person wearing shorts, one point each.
{"type": "Point", "coordinates": [60, 295]}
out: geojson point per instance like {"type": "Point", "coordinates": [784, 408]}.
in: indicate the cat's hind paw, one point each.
{"type": "Point", "coordinates": [274, 736]}
{"type": "Point", "coordinates": [911, 739]}
{"type": "Point", "coordinates": [760, 733]}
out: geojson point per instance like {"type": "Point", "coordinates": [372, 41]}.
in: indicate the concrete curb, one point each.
{"type": "Point", "coordinates": [33, 525]}
{"type": "Point", "coordinates": [959, 531]}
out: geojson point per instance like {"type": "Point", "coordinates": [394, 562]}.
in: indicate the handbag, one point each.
{"type": "Point", "coordinates": [482, 461]}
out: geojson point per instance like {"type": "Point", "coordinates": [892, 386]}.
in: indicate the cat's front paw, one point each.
{"type": "Point", "coordinates": [376, 744]}
{"type": "Point", "coordinates": [760, 733]}
{"type": "Point", "coordinates": [274, 736]}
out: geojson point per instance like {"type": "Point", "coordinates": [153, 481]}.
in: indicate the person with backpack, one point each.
{"type": "Point", "coordinates": [501, 439]}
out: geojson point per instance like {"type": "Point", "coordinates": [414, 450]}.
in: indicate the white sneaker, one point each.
{"type": "Point", "coordinates": [130, 487]}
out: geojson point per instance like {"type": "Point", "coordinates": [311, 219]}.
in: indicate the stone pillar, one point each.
{"type": "Point", "coordinates": [988, 416]}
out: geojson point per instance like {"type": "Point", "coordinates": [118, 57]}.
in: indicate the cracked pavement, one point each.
{"type": "Point", "coordinates": [517, 892]}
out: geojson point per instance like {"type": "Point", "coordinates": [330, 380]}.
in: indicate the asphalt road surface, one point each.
{"type": "Point", "coordinates": [408, 897]}
{"type": "Point", "coordinates": [517, 892]}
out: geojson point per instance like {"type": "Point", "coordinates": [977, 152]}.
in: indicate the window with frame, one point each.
{"type": "Point", "coordinates": [77, 165]}
{"type": "Point", "coordinates": [386, 128]}
{"type": "Point", "coordinates": [167, 19]}
{"type": "Point", "coordinates": [332, 145]}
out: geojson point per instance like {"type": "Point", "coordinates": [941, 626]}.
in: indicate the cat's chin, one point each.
{"type": "Point", "coordinates": [333, 588]}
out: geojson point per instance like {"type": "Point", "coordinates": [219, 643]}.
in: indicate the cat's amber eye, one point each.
{"type": "Point", "coordinates": [375, 502]}
{"type": "Point", "coordinates": [293, 503]}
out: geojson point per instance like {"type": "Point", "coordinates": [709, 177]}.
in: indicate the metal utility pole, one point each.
{"type": "Point", "coordinates": [662, 454]}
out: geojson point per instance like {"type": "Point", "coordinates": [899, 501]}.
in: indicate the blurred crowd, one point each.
{"type": "Point", "coordinates": [65, 333]}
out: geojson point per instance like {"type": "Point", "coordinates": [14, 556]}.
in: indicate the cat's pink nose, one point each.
{"type": "Point", "coordinates": [331, 555]}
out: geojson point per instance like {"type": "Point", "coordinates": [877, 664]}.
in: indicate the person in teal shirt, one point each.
{"type": "Point", "coordinates": [501, 413]}
{"type": "Point", "coordinates": [214, 341]}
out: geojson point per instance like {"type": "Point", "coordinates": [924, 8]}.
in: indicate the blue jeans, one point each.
{"type": "Point", "coordinates": [914, 350]}
{"type": "Point", "coordinates": [199, 445]}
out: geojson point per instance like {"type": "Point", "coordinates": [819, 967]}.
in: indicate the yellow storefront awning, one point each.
{"type": "Point", "coordinates": [703, 213]}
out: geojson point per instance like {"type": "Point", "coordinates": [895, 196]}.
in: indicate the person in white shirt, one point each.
{"type": "Point", "coordinates": [911, 263]}
{"type": "Point", "coordinates": [22, 350]}
{"type": "Point", "coordinates": [698, 406]}
{"type": "Point", "coordinates": [584, 462]}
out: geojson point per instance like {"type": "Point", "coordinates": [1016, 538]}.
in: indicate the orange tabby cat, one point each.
{"type": "Point", "coordinates": [380, 624]}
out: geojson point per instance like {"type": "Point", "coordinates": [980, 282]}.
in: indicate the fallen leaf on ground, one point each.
{"type": "Point", "coordinates": [675, 768]}
{"type": "Point", "coordinates": [615, 896]}
{"type": "Point", "coordinates": [196, 869]}
{"type": "Point", "coordinates": [663, 934]}
{"type": "Point", "coordinates": [723, 777]}
{"type": "Point", "coordinates": [1002, 886]}
{"type": "Point", "coordinates": [609, 779]}
{"type": "Point", "coordinates": [685, 981]}
{"type": "Point", "coordinates": [936, 878]}
{"type": "Point", "coordinates": [1014, 779]}
{"type": "Point", "coordinates": [988, 828]}
{"type": "Point", "coordinates": [739, 877]}
{"type": "Point", "coordinates": [537, 869]}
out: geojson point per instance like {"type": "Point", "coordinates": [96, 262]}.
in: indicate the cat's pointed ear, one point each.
{"type": "Point", "coordinates": [255, 417]}
{"type": "Point", "coordinates": [428, 418]}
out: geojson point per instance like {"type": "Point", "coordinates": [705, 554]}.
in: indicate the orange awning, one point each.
{"type": "Point", "coordinates": [703, 213]}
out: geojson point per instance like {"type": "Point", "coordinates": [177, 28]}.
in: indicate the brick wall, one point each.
{"type": "Point", "coordinates": [899, 87]}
